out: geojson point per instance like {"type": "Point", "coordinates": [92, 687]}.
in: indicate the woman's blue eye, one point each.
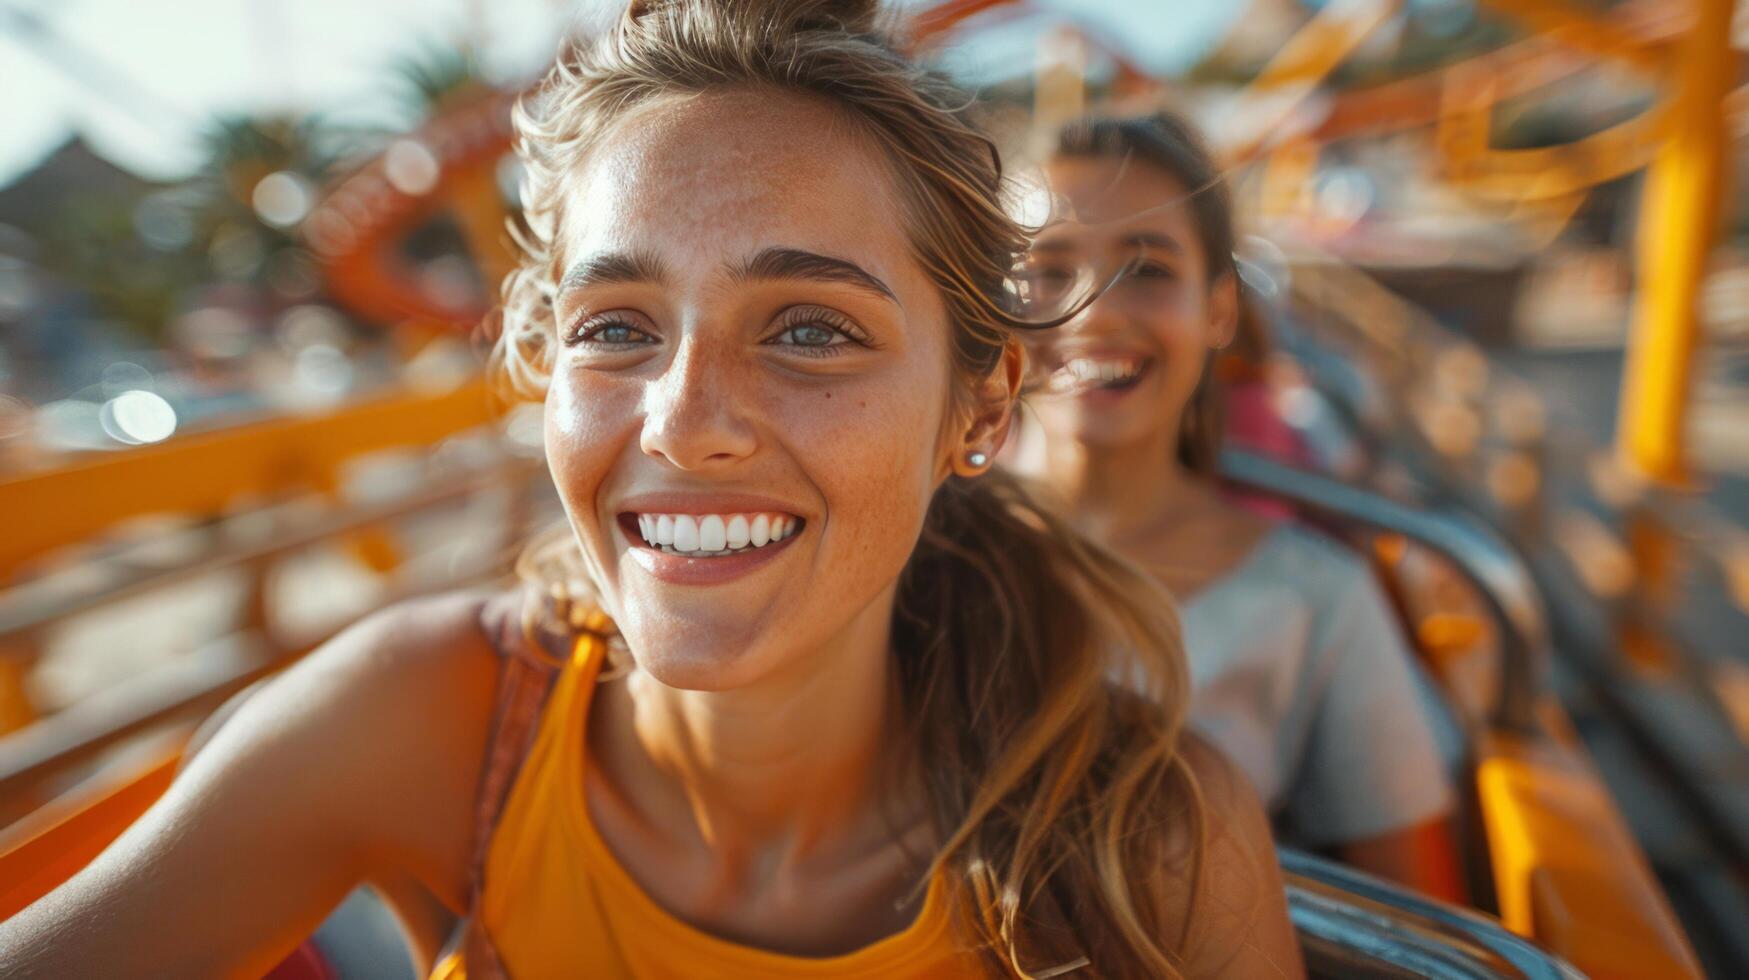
{"type": "Point", "coordinates": [612, 333]}
{"type": "Point", "coordinates": [817, 332]}
{"type": "Point", "coordinates": [811, 335]}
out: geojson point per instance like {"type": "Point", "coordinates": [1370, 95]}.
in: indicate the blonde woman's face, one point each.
{"type": "Point", "coordinates": [1138, 352]}
{"type": "Point", "coordinates": [745, 416]}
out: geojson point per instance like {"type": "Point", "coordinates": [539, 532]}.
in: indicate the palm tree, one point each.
{"type": "Point", "coordinates": [434, 79]}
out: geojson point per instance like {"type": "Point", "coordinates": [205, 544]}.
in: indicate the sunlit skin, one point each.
{"type": "Point", "coordinates": [1112, 454]}
{"type": "Point", "coordinates": [689, 383]}
{"type": "Point", "coordinates": [739, 385]}
{"type": "Point", "coordinates": [741, 771]}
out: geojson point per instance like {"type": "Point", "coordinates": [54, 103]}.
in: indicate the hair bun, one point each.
{"type": "Point", "coordinates": [850, 16]}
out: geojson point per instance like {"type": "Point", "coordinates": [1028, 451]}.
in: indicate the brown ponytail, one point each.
{"type": "Point", "coordinates": [1065, 813]}
{"type": "Point", "coordinates": [1006, 632]}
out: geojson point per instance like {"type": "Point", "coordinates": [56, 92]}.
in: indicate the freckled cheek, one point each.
{"type": "Point", "coordinates": [587, 427]}
{"type": "Point", "coordinates": [871, 452]}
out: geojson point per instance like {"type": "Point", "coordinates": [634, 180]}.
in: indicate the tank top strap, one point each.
{"type": "Point", "coordinates": [522, 690]}
{"type": "Point", "coordinates": [527, 669]}
{"type": "Point", "coordinates": [529, 665]}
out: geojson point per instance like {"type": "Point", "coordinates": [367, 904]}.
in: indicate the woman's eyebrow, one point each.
{"type": "Point", "coordinates": [795, 263]}
{"type": "Point", "coordinates": [1152, 239]}
{"type": "Point", "coordinates": [1059, 245]}
{"type": "Point", "coordinates": [603, 268]}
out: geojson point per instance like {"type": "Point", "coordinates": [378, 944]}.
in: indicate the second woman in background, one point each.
{"type": "Point", "coordinates": [1299, 672]}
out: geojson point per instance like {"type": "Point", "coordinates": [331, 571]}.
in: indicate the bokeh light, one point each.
{"type": "Point", "coordinates": [282, 199]}
{"type": "Point", "coordinates": [138, 417]}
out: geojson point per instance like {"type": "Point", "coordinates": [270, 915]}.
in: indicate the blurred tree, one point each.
{"type": "Point", "coordinates": [82, 216]}
{"type": "Point", "coordinates": [261, 176]}
{"type": "Point", "coordinates": [434, 79]}
{"type": "Point", "coordinates": [241, 150]}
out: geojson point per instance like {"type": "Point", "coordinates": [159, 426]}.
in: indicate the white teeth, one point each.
{"type": "Point", "coordinates": [685, 532]}
{"type": "Point", "coordinates": [1103, 371]}
{"type": "Point", "coordinates": [714, 535]}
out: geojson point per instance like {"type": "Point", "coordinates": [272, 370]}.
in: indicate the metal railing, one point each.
{"type": "Point", "coordinates": [211, 673]}
{"type": "Point", "coordinates": [205, 473]}
{"type": "Point", "coordinates": [1357, 927]}
{"type": "Point", "coordinates": [1475, 551]}
{"type": "Point", "coordinates": [201, 479]}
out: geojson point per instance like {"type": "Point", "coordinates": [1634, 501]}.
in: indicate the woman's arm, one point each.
{"type": "Point", "coordinates": [1238, 921]}
{"type": "Point", "coordinates": [1422, 856]}
{"type": "Point", "coordinates": [1373, 785]}
{"type": "Point", "coordinates": [359, 760]}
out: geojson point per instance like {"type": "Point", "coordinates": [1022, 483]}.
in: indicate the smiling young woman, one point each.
{"type": "Point", "coordinates": [1315, 701]}
{"type": "Point", "coordinates": [828, 698]}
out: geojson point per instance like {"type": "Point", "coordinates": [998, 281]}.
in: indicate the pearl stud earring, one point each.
{"type": "Point", "coordinates": [976, 458]}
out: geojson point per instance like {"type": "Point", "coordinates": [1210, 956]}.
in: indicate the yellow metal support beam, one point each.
{"type": "Point", "coordinates": [1288, 178]}
{"type": "Point", "coordinates": [201, 474]}
{"type": "Point", "coordinates": [1679, 218]}
{"type": "Point", "coordinates": [1566, 869]}
{"type": "Point", "coordinates": [1582, 29]}
{"type": "Point", "coordinates": [1322, 44]}
{"type": "Point", "coordinates": [1302, 64]}
{"type": "Point", "coordinates": [1060, 81]}
{"type": "Point", "coordinates": [1468, 161]}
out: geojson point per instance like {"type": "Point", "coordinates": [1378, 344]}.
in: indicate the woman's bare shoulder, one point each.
{"type": "Point", "coordinates": [406, 662]}
{"type": "Point", "coordinates": [412, 656]}
{"type": "Point", "coordinates": [357, 762]}
{"type": "Point", "coordinates": [1236, 906]}
{"type": "Point", "coordinates": [394, 710]}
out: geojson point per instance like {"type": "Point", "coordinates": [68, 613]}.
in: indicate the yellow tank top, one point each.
{"type": "Point", "coordinates": [557, 903]}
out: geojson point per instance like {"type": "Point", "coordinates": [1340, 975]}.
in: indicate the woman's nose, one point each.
{"type": "Point", "coordinates": [1102, 317]}
{"type": "Point", "coordinates": [694, 413]}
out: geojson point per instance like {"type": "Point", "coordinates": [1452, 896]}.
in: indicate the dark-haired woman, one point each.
{"type": "Point", "coordinates": [807, 692]}
{"type": "Point", "coordinates": [1298, 669]}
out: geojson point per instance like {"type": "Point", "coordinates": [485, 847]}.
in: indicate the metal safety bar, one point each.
{"type": "Point", "coordinates": [1355, 926]}
{"type": "Point", "coordinates": [1477, 553]}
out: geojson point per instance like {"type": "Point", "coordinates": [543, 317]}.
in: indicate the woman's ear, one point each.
{"type": "Point", "coordinates": [993, 401]}
{"type": "Point", "coordinates": [1223, 311]}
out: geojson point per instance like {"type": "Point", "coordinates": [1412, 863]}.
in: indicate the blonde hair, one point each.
{"type": "Point", "coordinates": [1067, 817]}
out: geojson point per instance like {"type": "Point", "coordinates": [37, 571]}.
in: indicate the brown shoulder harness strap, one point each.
{"type": "Point", "coordinates": [522, 690]}
{"type": "Point", "coordinates": [524, 679]}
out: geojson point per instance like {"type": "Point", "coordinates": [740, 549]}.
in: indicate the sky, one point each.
{"type": "Point", "coordinates": [139, 79]}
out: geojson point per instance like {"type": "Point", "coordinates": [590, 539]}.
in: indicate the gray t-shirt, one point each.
{"type": "Point", "coordinates": [1302, 677]}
